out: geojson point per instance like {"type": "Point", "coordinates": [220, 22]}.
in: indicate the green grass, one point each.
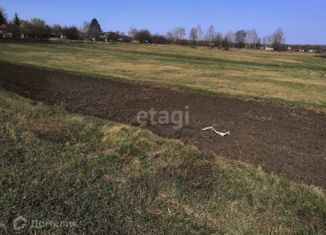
{"type": "Point", "coordinates": [110, 177]}
{"type": "Point", "coordinates": [290, 78]}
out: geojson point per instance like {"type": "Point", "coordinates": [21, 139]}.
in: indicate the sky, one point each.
{"type": "Point", "coordinates": [304, 22]}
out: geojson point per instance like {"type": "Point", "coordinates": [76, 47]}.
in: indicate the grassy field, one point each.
{"type": "Point", "coordinates": [112, 177]}
{"type": "Point", "coordinates": [293, 78]}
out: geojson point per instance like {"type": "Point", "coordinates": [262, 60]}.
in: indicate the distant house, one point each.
{"type": "Point", "coordinates": [4, 34]}
{"type": "Point", "coordinates": [267, 48]}
{"type": "Point", "coordinates": [110, 37]}
{"type": "Point", "coordinates": [2, 31]}
{"type": "Point", "coordinates": [289, 48]}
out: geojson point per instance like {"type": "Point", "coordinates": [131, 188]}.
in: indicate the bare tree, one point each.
{"type": "Point", "coordinates": [193, 35]}
{"type": "Point", "coordinates": [218, 39]}
{"type": "Point", "coordinates": [278, 39]}
{"type": "Point", "coordinates": [57, 30]}
{"type": "Point", "coordinates": [229, 38]}
{"type": "Point", "coordinates": [170, 36]}
{"type": "Point", "coordinates": [177, 34]}
{"type": "Point", "coordinates": [200, 33]}
{"type": "Point", "coordinates": [240, 38]}
{"type": "Point", "coordinates": [252, 38]}
{"type": "Point", "coordinates": [132, 32]}
{"type": "Point", "coordinates": [85, 29]}
{"type": "Point", "coordinates": [211, 34]}
{"type": "Point", "coordinates": [268, 40]}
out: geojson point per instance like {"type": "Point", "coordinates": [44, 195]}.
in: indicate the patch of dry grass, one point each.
{"type": "Point", "coordinates": [284, 77]}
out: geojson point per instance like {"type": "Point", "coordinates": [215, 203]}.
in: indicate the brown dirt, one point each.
{"type": "Point", "coordinates": [290, 142]}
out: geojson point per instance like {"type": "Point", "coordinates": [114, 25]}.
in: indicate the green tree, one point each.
{"type": "Point", "coordinates": [3, 17]}
{"type": "Point", "coordinates": [36, 28]}
{"type": "Point", "coordinates": [16, 21]}
{"type": "Point", "coordinates": [71, 33]}
{"type": "Point", "coordinates": [95, 30]}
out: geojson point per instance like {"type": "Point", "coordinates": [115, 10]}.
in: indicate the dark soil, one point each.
{"type": "Point", "coordinates": [290, 142]}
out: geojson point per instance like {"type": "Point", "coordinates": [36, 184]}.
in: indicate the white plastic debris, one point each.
{"type": "Point", "coordinates": [210, 128]}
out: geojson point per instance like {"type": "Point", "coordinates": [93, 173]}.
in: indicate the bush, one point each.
{"type": "Point", "coordinates": [143, 36]}
{"type": "Point", "coordinates": [71, 33]}
{"type": "Point", "coordinates": [158, 39]}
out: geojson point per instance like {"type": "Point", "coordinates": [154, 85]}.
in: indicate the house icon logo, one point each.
{"type": "Point", "coordinates": [19, 223]}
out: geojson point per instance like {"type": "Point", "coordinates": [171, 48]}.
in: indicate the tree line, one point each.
{"type": "Point", "coordinates": [37, 29]}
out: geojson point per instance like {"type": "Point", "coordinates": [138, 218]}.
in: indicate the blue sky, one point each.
{"type": "Point", "coordinates": [303, 21]}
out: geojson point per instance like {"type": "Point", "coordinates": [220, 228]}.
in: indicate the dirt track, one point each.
{"type": "Point", "coordinates": [282, 140]}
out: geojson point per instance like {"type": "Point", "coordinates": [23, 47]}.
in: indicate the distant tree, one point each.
{"type": "Point", "coordinates": [85, 29]}
{"type": "Point", "coordinates": [13, 27]}
{"type": "Point", "coordinates": [132, 32]}
{"type": "Point", "coordinates": [193, 35]}
{"type": "Point", "coordinates": [170, 36]}
{"type": "Point", "coordinates": [176, 34]}
{"type": "Point", "coordinates": [278, 39]}
{"type": "Point", "coordinates": [179, 33]}
{"type": "Point", "coordinates": [211, 34]}
{"type": "Point", "coordinates": [3, 17]}
{"type": "Point", "coordinates": [240, 38]}
{"type": "Point", "coordinates": [95, 30]}
{"type": "Point", "coordinates": [218, 39]}
{"type": "Point", "coordinates": [57, 30]}
{"type": "Point", "coordinates": [182, 32]}
{"type": "Point", "coordinates": [159, 39]}
{"type": "Point", "coordinates": [228, 40]}
{"type": "Point", "coordinates": [143, 36]}
{"type": "Point", "coordinates": [37, 28]}
{"type": "Point", "coordinates": [258, 43]}
{"type": "Point", "coordinates": [25, 24]}
{"type": "Point", "coordinates": [16, 21]}
{"type": "Point", "coordinates": [200, 33]}
{"type": "Point", "coordinates": [225, 43]}
{"type": "Point", "coordinates": [252, 38]}
{"type": "Point", "coordinates": [71, 33]}
{"type": "Point", "coordinates": [38, 23]}
{"type": "Point", "coordinates": [268, 40]}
